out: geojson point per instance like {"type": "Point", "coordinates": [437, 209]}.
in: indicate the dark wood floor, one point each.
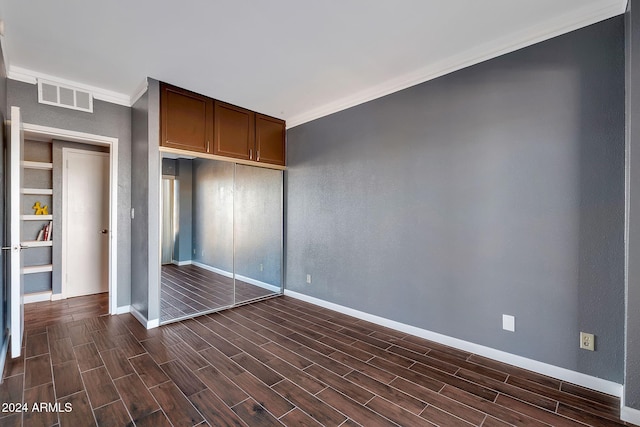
{"type": "Point", "coordinates": [189, 290]}
{"type": "Point", "coordinates": [278, 361]}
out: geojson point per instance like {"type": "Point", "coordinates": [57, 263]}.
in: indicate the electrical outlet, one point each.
{"type": "Point", "coordinates": [194, 251]}
{"type": "Point", "coordinates": [508, 323]}
{"type": "Point", "coordinates": [261, 267]}
{"type": "Point", "coordinates": [309, 278]}
{"type": "Point", "coordinates": [587, 341]}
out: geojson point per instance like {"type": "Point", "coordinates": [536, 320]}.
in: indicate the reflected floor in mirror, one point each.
{"type": "Point", "coordinates": [189, 290]}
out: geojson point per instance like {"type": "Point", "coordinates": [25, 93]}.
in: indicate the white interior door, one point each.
{"type": "Point", "coordinates": [16, 306]}
{"type": "Point", "coordinates": [85, 239]}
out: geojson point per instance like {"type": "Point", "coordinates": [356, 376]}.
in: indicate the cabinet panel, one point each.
{"type": "Point", "coordinates": [270, 140]}
{"type": "Point", "coordinates": [234, 132]}
{"type": "Point", "coordinates": [186, 119]}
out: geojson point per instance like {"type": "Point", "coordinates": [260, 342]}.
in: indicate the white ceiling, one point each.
{"type": "Point", "coordinates": [294, 59]}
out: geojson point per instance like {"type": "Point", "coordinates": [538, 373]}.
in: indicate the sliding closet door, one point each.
{"type": "Point", "coordinates": [258, 232]}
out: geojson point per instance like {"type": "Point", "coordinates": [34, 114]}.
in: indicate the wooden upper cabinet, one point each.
{"type": "Point", "coordinates": [186, 119]}
{"type": "Point", "coordinates": [234, 132]}
{"type": "Point", "coordinates": [270, 140]}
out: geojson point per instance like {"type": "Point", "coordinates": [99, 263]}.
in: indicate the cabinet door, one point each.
{"type": "Point", "coordinates": [234, 132]}
{"type": "Point", "coordinates": [270, 140]}
{"type": "Point", "coordinates": [186, 119]}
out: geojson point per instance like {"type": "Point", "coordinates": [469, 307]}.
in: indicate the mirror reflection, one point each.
{"type": "Point", "coordinates": [221, 236]}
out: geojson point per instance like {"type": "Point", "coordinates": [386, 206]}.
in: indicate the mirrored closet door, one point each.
{"type": "Point", "coordinates": [222, 231]}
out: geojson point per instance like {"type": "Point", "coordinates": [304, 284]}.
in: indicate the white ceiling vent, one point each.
{"type": "Point", "coordinates": [52, 93]}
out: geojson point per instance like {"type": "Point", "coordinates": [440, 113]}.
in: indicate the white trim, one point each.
{"type": "Point", "coordinates": [604, 386]}
{"type": "Point", "coordinates": [29, 76]}
{"type": "Point", "coordinates": [215, 270]}
{"type": "Point", "coordinates": [630, 415]}
{"type": "Point", "coordinates": [181, 263]}
{"type": "Point", "coordinates": [124, 309]}
{"type": "Point", "coordinates": [149, 324]}
{"type": "Point", "coordinates": [39, 132]}
{"type": "Point", "coordinates": [37, 297]}
{"type": "Point", "coordinates": [258, 283]}
{"type": "Point", "coordinates": [512, 42]}
{"type": "Point", "coordinates": [140, 91]}
{"type": "Point", "coordinates": [56, 297]}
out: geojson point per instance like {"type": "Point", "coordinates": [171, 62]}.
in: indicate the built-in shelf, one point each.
{"type": "Point", "coordinates": [37, 217]}
{"type": "Point", "coordinates": [37, 165]}
{"type": "Point", "coordinates": [37, 269]}
{"type": "Point", "coordinates": [41, 191]}
{"type": "Point", "coordinates": [38, 243]}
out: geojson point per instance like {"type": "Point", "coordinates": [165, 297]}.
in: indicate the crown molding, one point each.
{"type": "Point", "coordinates": [551, 28]}
{"type": "Point", "coordinates": [141, 90]}
{"type": "Point", "coordinates": [30, 76]}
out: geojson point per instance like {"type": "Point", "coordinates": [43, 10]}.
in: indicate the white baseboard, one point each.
{"type": "Point", "coordinates": [124, 309]}
{"type": "Point", "coordinates": [149, 324]}
{"type": "Point", "coordinates": [37, 297]}
{"type": "Point", "coordinates": [630, 415]}
{"type": "Point", "coordinates": [56, 297]}
{"type": "Point", "coordinates": [3, 355]}
{"type": "Point", "coordinates": [181, 263]}
{"type": "Point", "coordinates": [215, 270]}
{"type": "Point", "coordinates": [258, 283]}
{"type": "Point", "coordinates": [604, 386]}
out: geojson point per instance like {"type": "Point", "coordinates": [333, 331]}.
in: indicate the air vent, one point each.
{"type": "Point", "coordinates": [52, 93]}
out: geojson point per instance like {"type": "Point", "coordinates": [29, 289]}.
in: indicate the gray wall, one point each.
{"type": "Point", "coordinates": [497, 189]}
{"type": "Point", "coordinates": [139, 199]}
{"type": "Point", "coordinates": [632, 368]}
{"type": "Point", "coordinates": [184, 247]}
{"type": "Point", "coordinates": [57, 146]}
{"type": "Point", "coordinates": [213, 213]}
{"type": "Point", "coordinates": [107, 120]}
{"type": "Point", "coordinates": [146, 179]}
{"type": "Point", "coordinates": [258, 224]}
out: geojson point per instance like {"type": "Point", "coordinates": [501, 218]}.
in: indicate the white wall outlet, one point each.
{"type": "Point", "coordinates": [309, 278]}
{"type": "Point", "coordinates": [133, 213]}
{"type": "Point", "coordinates": [261, 267]}
{"type": "Point", "coordinates": [508, 322]}
{"type": "Point", "coordinates": [194, 251]}
{"type": "Point", "coordinates": [587, 341]}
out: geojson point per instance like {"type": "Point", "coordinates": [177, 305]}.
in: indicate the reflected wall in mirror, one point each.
{"type": "Point", "coordinates": [258, 231]}
{"type": "Point", "coordinates": [208, 206]}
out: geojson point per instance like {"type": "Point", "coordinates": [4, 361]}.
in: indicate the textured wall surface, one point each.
{"type": "Point", "coordinates": [497, 189]}
{"type": "Point", "coordinates": [139, 197]}
{"type": "Point", "coordinates": [154, 200]}
{"type": "Point", "coordinates": [632, 377]}
{"type": "Point", "coordinates": [258, 224]}
{"type": "Point", "coordinates": [213, 213]}
{"type": "Point", "coordinates": [107, 120]}
{"type": "Point", "coordinates": [183, 249]}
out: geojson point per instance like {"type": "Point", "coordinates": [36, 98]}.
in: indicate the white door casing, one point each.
{"type": "Point", "coordinates": [16, 305]}
{"type": "Point", "coordinates": [85, 223]}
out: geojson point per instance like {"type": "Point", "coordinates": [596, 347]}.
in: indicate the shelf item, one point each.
{"type": "Point", "coordinates": [37, 165]}
{"type": "Point", "coordinates": [37, 217]}
{"type": "Point", "coordinates": [40, 191]}
{"type": "Point", "coordinates": [37, 269]}
{"type": "Point", "coordinates": [37, 243]}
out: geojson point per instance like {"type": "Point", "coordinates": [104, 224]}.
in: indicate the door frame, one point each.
{"type": "Point", "coordinates": [65, 226]}
{"type": "Point", "coordinates": [46, 132]}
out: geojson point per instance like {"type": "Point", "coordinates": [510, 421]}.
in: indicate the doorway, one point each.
{"type": "Point", "coordinates": [110, 144]}
{"type": "Point", "coordinates": [85, 210]}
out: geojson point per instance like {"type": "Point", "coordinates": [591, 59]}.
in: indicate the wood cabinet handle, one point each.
{"type": "Point", "coordinates": [207, 146]}
{"type": "Point", "coordinates": [258, 155]}
{"type": "Point", "coordinates": [250, 154]}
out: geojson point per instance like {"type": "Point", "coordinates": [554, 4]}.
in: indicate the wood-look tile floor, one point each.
{"type": "Point", "coordinates": [275, 362]}
{"type": "Point", "coordinates": [189, 290]}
